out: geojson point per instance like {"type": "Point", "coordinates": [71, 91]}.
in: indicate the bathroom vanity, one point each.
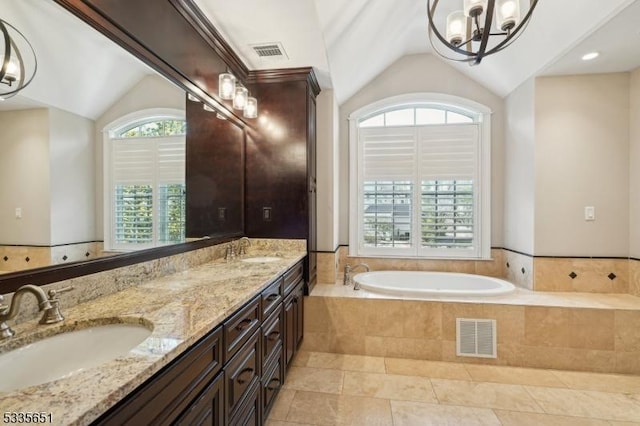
{"type": "Point", "coordinates": [223, 336]}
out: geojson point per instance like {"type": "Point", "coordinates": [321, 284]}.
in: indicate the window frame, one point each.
{"type": "Point", "coordinates": [111, 133]}
{"type": "Point", "coordinates": [482, 118]}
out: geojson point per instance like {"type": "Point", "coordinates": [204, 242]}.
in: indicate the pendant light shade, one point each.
{"type": "Point", "coordinates": [226, 86]}
{"type": "Point", "coordinates": [240, 98]}
{"type": "Point", "coordinates": [251, 108]}
{"type": "Point", "coordinates": [18, 62]}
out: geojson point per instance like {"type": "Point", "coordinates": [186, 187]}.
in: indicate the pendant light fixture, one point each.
{"type": "Point", "coordinates": [18, 63]}
{"type": "Point", "coordinates": [479, 29]}
{"type": "Point", "coordinates": [226, 86]}
{"type": "Point", "coordinates": [251, 108]}
{"type": "Point", "coordinates": [240, 98]}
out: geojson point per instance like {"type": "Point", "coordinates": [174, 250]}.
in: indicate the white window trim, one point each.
{"type": "Point", "coordinates": [108, 133]}
{"type": "Point", "coordinates": [481, 114]}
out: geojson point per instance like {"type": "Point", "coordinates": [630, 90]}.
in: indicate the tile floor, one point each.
{"type": "Point", "coordinates": [333, 389]}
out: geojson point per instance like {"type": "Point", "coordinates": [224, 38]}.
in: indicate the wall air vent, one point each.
{"type": "Point", "coordinates": [476, 338]}
{"type": "Point", "coordinates": [270, 51]}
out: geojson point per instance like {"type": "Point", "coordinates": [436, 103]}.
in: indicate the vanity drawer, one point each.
{"type": "Point", "coordinates": [271, 297]}
{"type": "Point", "coordinates": [272, 331]}
{"type": "Point", "coordinates": [241, 373]}
{"type": "Point", "coordinates": [292, 277]}
{"type": "Point", "coordinates": [168, 393]}
{"type": "Point", "coordinates": [208, 409]}
{"type": "Point", "coordinates": [249, 412]}
{"type": "Point", "coordinates": [240, 327]}
{"type": "Point", "coordinates": [272, 380]}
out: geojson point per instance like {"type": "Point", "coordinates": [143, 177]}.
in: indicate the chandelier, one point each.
{"type": "Point", "coordinates": [18, 62]}
{"type": "Point", "coordinates": [481, 28]}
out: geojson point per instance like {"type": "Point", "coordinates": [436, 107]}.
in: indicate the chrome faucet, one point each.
{"type": "Point", "coordinates": [348, 278]}
{"type": "Point", "coordinates": [243, 243]}
{"type": "Point", "coordinates": [49, 306]}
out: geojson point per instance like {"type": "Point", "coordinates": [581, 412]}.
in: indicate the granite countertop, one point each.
{"type": "Point", "coordinates": [181, 307]}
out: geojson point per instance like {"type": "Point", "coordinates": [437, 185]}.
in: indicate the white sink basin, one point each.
{"type": "Point", "coordinates": [67, 353]}
{"type": "Point", "coordinates": [261, 259]}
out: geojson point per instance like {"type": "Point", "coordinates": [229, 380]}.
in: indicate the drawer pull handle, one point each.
{"type": "Point", "coordinates": [274, 335]}
{"type": "Point", "coordinates": [272, 388]}
{"type": "Point", "coordinates": [244, 324]}
{"type": "Point", "coordinates": [240, 379]}
{"type": "Point", "coordinates": [272, 297]}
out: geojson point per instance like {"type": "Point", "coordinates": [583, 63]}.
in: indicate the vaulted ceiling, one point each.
{"type": "Point", "coordinates": [348, 42]}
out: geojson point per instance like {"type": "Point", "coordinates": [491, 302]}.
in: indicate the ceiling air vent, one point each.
{"type": "Point", "coordinates": [270, 51]}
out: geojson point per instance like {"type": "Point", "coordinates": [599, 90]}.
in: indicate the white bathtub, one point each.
{"type": "Point", "coordinates": [417, 284]}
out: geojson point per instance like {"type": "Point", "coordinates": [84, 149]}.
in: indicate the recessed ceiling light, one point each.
{"type": "Point", "coordinates": [590, 56]}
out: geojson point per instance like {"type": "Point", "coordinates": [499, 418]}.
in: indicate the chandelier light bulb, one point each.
{"type": "Point", "coordinates": [18, 63]}
{"type": "Point", "coordinates": [226, 86]}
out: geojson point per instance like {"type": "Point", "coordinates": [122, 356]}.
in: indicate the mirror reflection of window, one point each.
{"type": "Point", "coordinates": [147, 184]}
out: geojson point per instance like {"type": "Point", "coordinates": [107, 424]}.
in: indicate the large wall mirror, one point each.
{"type": "Point", "coordinates": [94, 152]}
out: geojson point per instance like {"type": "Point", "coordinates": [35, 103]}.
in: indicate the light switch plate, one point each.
{"type": "Point", "coordinates": [589, 213]}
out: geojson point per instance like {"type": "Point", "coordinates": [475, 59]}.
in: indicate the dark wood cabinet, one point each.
{"type": "Point", "coordinates": [280, 194]}
{"type": "Point", "coordinates": [208, 409]}
{"type": "Point", "coordinates": [293, 322]}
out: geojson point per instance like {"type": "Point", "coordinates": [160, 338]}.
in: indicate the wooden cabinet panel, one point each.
{"type": "Point", "coordinates": [208, 409]}
{"type": "Point", "coordinates": [272, 334]}
{"type": "Point", "coordinates": [240, 326]}
{"type": "Point", "coordinates": [292, 277]}
{"type": "Point", "coordinates": [299, 314]}
{"type": "Point", "coordinates": [249, 412]}
{"type": "Point", "coordinates": [272, 381]}
{"type": "Point", "coordinates": [272, 297]}
{"type": "Point", "coordinates": [241, 373]}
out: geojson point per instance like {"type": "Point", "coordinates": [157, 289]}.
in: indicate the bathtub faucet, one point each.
{"type": "Point", "coordinates": [348, 278]}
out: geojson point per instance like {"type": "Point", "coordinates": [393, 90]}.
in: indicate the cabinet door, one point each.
{"type": "Point", "coordinates": [290, 330]}
{"type": "Point", "coordinates": [299, 314]}
{"type": "Point", "coordinates": [208, 409]}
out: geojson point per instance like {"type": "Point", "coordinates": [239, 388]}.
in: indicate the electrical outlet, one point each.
{"type": "Point", "coordinates": [589, 213]}
{"type": "Point", "coordinates": [266, 214]}
{"type": "Point", "coordinates": [222, 214]}
{"type": "Point", "coordinates": [18, 213]}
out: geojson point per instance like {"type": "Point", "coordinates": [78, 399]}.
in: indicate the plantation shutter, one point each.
{"type": "Point", "coordinates": [448, 174]}
{"type": "Point", "coordinates": [388, 153]}
{"type": "Point", "coordinates": [171, 159]}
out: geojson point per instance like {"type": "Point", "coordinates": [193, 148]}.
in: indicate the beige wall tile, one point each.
{"type": "Point", "coordinates": [591, 275]}
{"type": "Point", "coordinates": [634, 277]}
{"type": "Point", "coordinates": [407, 413]}
{"type": "Point", "coordinates": [494, 267]}
{"type": "Point", "coordinates": [519, 270]}
{"type": "Point", "coordinates": [375, 346]}
{"type": "Point", "coordinates": [568, 358]}
{"type": "Point", "coordinates": [591, 329]}
{"type": "Point", "coordinates": [627, 362]}
{"type": "Point", "coordinates": [627, 331]}
{"type": "Point", "coordinates": [599, 382]}
{"type": "Point", "coordinates": [461, 266]}
{"type": "Point", "coordinates": [314, 341]}
{"type": "Point", "coordinates": [546, 326]}
{"type": "Point", "coordinates": [384, 318]}
{"type": "Point", "coordinates": [509, 322]}
{"type": "Point", "coordinates": [316, 315]}
{"type": "Point", "coordinates": [422, 320]}
{"type": "Point", "coordinates": [348, 344]}
{"type": "Point", "coordinates": [327, 267]}
{"type": "Point", "coordinates": [507, 355]}
{"type": "Point", "coordinates": [346, 315]}
{"type": "Point", "coordinates": [451, 311]}
{"type": "Point", "coordinates": [413, 348]}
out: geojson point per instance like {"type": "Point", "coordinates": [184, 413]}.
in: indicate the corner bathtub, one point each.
{"type": "Point", "coordinates": [418, 284]}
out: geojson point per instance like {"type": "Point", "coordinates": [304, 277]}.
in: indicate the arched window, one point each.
{"type": "Point", "coordinates": [420, 178]}
{"type": "Point", "coordinates": [145, 181]}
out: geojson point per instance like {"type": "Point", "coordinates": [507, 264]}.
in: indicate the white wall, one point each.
{"type": "Point", "coordinates": [519, 170]}
{"type": "Point", "coordinates": [425, 73]}
{"type": "Point", "coordinates": [151, 92]}
{"type": "Point", "coordinates": [634, 166]}
{"type": "Point", "coordinates": [327, 170]}
{"type": "Point", "coordinates": [582, 149]}
{"type": "Point", "coordinates": [72, 177]}
{"type": "Point", "coordinates": [24, 173]}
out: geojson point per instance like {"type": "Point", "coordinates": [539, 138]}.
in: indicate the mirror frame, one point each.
{"type": "Point", "coordinates": [11, 281]}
